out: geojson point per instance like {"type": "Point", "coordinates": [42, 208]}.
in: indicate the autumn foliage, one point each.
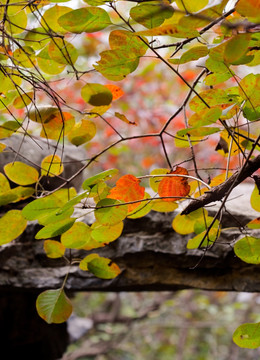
{"type": "Point", "coordinates": [162, 97]}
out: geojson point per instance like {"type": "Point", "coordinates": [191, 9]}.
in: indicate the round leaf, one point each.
{"type": "Point", "coordinates": [248, 249]}
{"type": "Point", "coordinates": [51, 165]}
{"type": "Point", "coordinates": [12, 224]}
{"type": "Point", "coordinates": [54, 249]}
{"type": "Point", "coordinates": [96, 94]}
{"type": "Point", "coordinates": [77, 236]}
{"type": "Point", "coordinates": [21, 173]}
{"type": "Point", "coordinates": [247, 336]}
{"type": "Point", "coordinates": [112, 213]}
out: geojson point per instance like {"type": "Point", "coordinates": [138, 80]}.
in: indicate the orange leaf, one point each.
{"type": "Point", "coordinates": [174, 186]}
{"type": "Point", "coordinates": [116, 91]}
{"type": "Point", "coordinates": [128, 189]}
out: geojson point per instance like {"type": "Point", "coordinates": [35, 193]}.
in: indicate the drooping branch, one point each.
{"type": "Point", "coordinates": [218, 192]}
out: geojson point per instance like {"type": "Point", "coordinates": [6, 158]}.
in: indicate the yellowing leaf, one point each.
{"type": "Point", "coordinates": [12, 224]}
{"type": "Point", "coordinates": [55, 228]}
{"type": "Point", "coordinates": [53, 306]}
{"type": "Point", "coordinates": [174, 186]}
{"type": "Point", "coordinates": [254, 224]}
{"type": "Point", "coordinates": [124, 118]}
{"type": "Point", "coordinates": [57, 125]}
{"type": "Point", "coordinates": [103, 268]}
{"type": "Point", "coordinates": [77, 236]}
{"type": "Point", "coordinates": [8, 128]}
{"type": "Point", "coordinates": [255, 199]}
{"type": "Point", "coordinates": [54, 249]}
{"type": "Point", "coordinates": [248, 249]}
{"type": "Point", "coordinates": [105, 234]}
{"type": "Point", "coordinates": [109, 212]}
{"type": "Point", "coordinates": [249, 8]}
{"type": "Point", "coordinates": [83, 265]}
{"type": "Point", "coordinates": [191, 5]}
{"type": "Point", "coordinates": [128, 189]}
{"type": "Point", "coordinates": [96, 94]}
{"type": "Point", "coordinates": [51, 165]}
{"type": "Point", "coordinates": [169, 30]}
{"type": "Point", "coordinates": [82, 132]}
{"type": "Point", "coordinates": [192, 54]}
{"type": "Point", "coordinates": [21, 173]}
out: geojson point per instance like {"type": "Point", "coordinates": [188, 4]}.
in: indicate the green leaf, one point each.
{"type": "Point", "coordinates": [77, 236]}
{"type": "Point", "coordinates": [4, 184]}
{"type": "Point", "coordinates": [86, 19]}
{"type": "Point", "coordinates": [191, 5]}
{"type": "Point", "coordinates": [47, 64]}
{"type": "Point", "coordinates": [255, 199]}
{"type": "Point", "coordinates": [184, 224]}
{"type": "Point", "coordinates": [74, 201]}
{"type": "Point", "coordinates": [236, 47]}
{"type": "Point", "coordinates": [16, 194]}
{"type": "Point", "coordinates": [192, 54]}
{"type": "Point", "coordinates": [103, 268]}
{"type": "Point", "coordinates": [24, 57]}
{"type": "Point", "coordinates": [110, 212]}
{"type": "Point", "coordinates": [150, 15]}
{"type": "Point", "coordinates": [211, 237]}
{"type": "Point", "coordinates": [249, 89]}
{"type": "Point", "coordinates": [198, 131]}
{"type": "Point", "coordinates": [23, 100]}
{"type": "Point", "coordinates": [212, 97]}
{"type": "Point", "coordinates": [254, 224]}
{"type": "Point", "coordinates": [54, 249]}
{"type": "Point", "coordinates": [164, 206]}
{"type": "Point", "coordinates": [248, 249]}
{"type": "Point", "coordinates": [215, 79]}
{"type": "Point", "coordinates": [53, 306]}
{"type": "Point", "coordinates": [128, 41]}
{"type": "Point", "coordinates": [83, 265]}
{"type": "Point", "coordinates": [12, 224]}
{"type": "Point", "coordinates": [8, 128]}
{"type": "Point", "coordinates": [143, 209]}
{"type": "Point", "coordinates": [96, 94]}
{"type": "Point", "coordinates": [51, 16]}
{"type": "Point", "coordinates": [21, 173]}
{"type": "Point", "coordinates": [247, 336]}
{"type": "Point", "coordinates": [55, 229]}
{"type": "Point", "coordinates": [155, 181]}
{"type": "Point", "coordinates": [45, 209]}
{"type": "Point", "coordinates": [104, 175]}
{"type": "Point", "coordinates": [170, 30]}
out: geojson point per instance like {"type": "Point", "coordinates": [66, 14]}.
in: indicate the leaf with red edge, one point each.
{"type": "Point", "coordinates": [174, 186]}
{"type": "Point", "coordinates": [116, 91]}
{"type": "Point", "coordinates": [128, 189]}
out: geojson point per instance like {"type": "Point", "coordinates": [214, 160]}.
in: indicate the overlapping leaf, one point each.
{"type": "Point", "coordinates": [170, 187]}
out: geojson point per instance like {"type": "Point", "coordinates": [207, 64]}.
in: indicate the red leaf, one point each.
{"type": "Point", "coordinates": [128, 189]}
{"type": "Point", "coordinates": [174, 186]}
{"type": "Point", "coordinates": [116, 91]}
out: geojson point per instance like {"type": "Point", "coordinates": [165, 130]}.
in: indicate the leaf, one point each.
{"type": "Point", "coordinates": [44, 209]}
{"type": "Point", "coordinates": [51, 166]}
{"type": "Point", "coordinates": [236, 47]}
{"type": "Point", "coordinates": [86, 19]}
{"type": "Point", "coordinates": [74, 201]}
{"type": "Point", "coordinates": [83, 265]}
{"type": "Point", "coordinates": [8, 128]}
{"type": "Point", "coordinates": [174, 186]}
{"type": "Point", "coordinates": [192, 54]}
{"type": "Point", "coordinates": [247, 336]}
{"type": "Point", "coordinates": [191, 5]}
{"type": "Point", "coordinates": [151, 15]}
{"type": "Point", "coordinates": [124, 119]}
{"type": "Point", "coordinates": [82, 132]}
{"type": "Point", "coordinates": [77, 236]}
{"type": "Point", "coordinates": [47, 64]}
{"type": "Point", "coordinates": [62, 52]}
{"type": "Point", "coordinates": [53, 306]}
{"type": "Point", "coordinates": [128, 41]}
{"type": "Point", "coordinates": [128, 189]}
{"type": "Point", "coordinates": [198, 131]}
{"type": "Point", "coordinates": [213, 97]}
{"type": "Point", "coordinates": [24, 57]}
{"type": "Point", "coordinates": [143, 209]}
{"type": "Point", "coordinates": [184, 224]}
{"type": "Point", "coordinates": [169, 30]}
{"type": "Point", "coordinates": [248, 249]}
{"type": "Point", "coordinates": [23, 100]}
{"type": "Point", "coordinates": [109, 212]}
{"type": "Point", "coordinates": [254, 224]}
{"type": "Point", "coordinates": [249, 90]}
{"type": "Point", "coordinates": [249, 8]}
{"type": "Point", "coordinates": [4, 184]}
{"type": "Point", "coordinates": [103, 268]}
{"type": "Point", "coordinates": [205, 117]}
{"type": "Point", "coordinates": [155, 181]}
{"type": "Point", "coordinates": [21, 173]}
{"type": "Point", "coordinates": [96, 94]}
{"type": "Point", "coordinates": [215, 79]}
{"type": "Point", "coordinates": [51, 17]}
{"type": "Point", "coordinates": [211, 237]}
{"type": "Point", "coordinates": [163, 206]}
{"type": "Point", "coordinates": [12, 225]}
{"type": "Point", "coordinates": [55, 229]}
{"type": "Point", "coordinates": [2, 147]}
{"type": "Point", "coordinates": [105, 234]}
{"type": "Point", "coordinates": [104, 175]}
{"type": "Point", "coordinates": [116, 91]}
{"type": "Point", "coordinates": [57, 125]}
{"type": "Point", "coordinates": [54, 249]}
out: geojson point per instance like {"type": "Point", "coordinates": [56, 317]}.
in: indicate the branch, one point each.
{"type": "Point", "coordinates": [218, 192]}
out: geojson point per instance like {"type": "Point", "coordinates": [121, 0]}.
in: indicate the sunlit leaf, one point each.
{"type": "Point", "coordinates": [47, 64]}
{"type": "Point", "coordinates": [74, 201]}
{"type": "Point", "coordinates": [55, 229]}
{"type": "Point", "coordinates": [4, 184]}
{"type": "Point", "coordinates": [62, 52]}
{"type": "Point", "coordinates": [174, 186]}
{"type": "Point", "coordinates": [184, 224]}
{"type": "Point", "coordinates": [143, 209]}
{"type": "Point", "coordinates": [155, 181]}
{"type": "Point", "coordinates": [236, 47]}
{"type": "Point", "coordinates": [77, 236]}
{"type": "Point", "coordinates": [57, 125]}
{"type": "Point", "coordinates": [12, 224]}
{"type": "Point", "coordinates": [163, 206]}
{"type": "Point", "coordinates": [96, 94]}
{"type": "Point", "coordinates": [54, 249]}
{"type": "Point", "coordinates": [198, 131]}
{"type": "Point", "coordinates": [128, 189]}
{"type": "Point", "coordinates": [169, 30]}
{"type": "Point", "coordinates": [124, 118]}
{"type": "Point", "coordinates": [249, 90]}
{"type": "Point", "coordinates": [205, 117]}
{"type": "Point", "coordinates": [51, 16]}
{"type": "Point", "coordinates": [53, 306]}
{"type": "Point", "coordinates": [191, 5]}
{"type": "Point", "coordinates": [51, 165]}
{"type": "Point", "coordinates": [24, 57]}
{"type": "Point", "coordinates": [2, 147]}
{"type": "Point", "coordinates": [23, 100]}
{"type": "Point", "coordinates": [215, 79]}
{"type": "Point", "coordinates": [248, 249]}
{"type": "Point", "coordinates": [212, 97]}
{"type": "Point", "coordinates": [83, 265]}
{"type": "Point", "coordinates": [247, 336]}
{"type": "Point", "coordinates": [21, 173]}
{"type": "Point", "coordinates": [86, 19]}
{"type": "Point", "coordinates": [249, 8]}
